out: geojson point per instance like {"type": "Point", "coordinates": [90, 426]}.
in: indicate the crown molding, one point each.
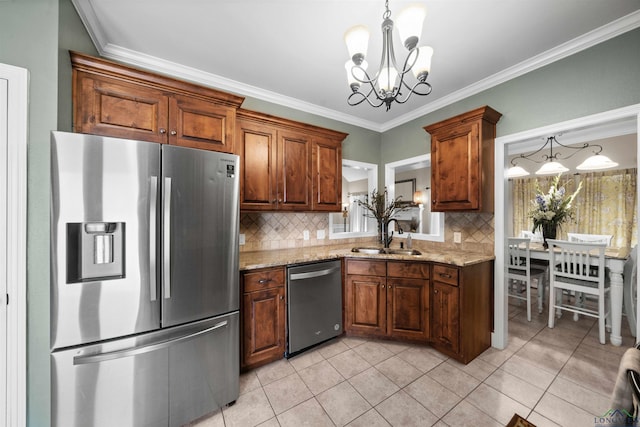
{"type": "Point", "coordinates": [599, 35]}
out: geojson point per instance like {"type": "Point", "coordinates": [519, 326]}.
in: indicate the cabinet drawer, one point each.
{"type": "Point", "coordinates": [263, 279]}
{"type": "Point", "coordinates": [367, 267]}
{"type": "Point", "coordinates": [415, 270]}
{"type": "Point", "coordinates": [446, 274]}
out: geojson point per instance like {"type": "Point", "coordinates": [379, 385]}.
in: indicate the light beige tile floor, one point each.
{"type": "Point", "coordinates": [552, 377]}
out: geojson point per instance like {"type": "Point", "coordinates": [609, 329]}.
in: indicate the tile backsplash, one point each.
{"type": "Point", "coordinates": [285, 230]}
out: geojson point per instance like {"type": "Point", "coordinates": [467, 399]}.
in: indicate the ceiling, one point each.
{"type": "Point", "coordinates": [292, 53]}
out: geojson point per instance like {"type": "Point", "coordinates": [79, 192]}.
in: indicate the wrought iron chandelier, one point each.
{"type": "Point", "coordinates": [551, 165]}
{"type": "Point", "coordinates": [389, 82]}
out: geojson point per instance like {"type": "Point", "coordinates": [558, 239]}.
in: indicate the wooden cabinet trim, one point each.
{"type": "Point", "coordinates": [270, 120]}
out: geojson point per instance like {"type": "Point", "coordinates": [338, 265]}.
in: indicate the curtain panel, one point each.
{"type": "Point", "coordinates": [605, 205]}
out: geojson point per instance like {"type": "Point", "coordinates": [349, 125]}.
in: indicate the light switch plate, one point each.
{"type": "Point", "coordinates": [241, 238]}
{"type": "Point", "coordinates": [457, 237]}
{"type": "Point", "coordinates": [305, 234]}
{"type": "Point", "coordinates": [320, 234]}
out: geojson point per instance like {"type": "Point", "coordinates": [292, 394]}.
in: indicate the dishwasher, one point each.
{"type": "Point", "coordinates": [314, 309]}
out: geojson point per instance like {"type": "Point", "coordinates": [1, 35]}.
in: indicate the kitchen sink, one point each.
{"type": "Point", "coordinates": [388, 251]}
{"type": "Point", "coordinates": [368, 250]}
{"type": "Point", "coordinates": [402, 252]}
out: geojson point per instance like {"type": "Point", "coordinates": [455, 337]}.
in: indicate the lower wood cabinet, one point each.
{"type": "Point", "coordinates": [387, 299]}
{"type": "Point", "coordinates": [263, 316]}
{"type": "Point", "coordinates": [462, 309]}
{"type": "Point", "coordinates": [445, 305]}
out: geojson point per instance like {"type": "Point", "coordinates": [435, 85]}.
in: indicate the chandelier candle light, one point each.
{"type": "Point", "coordinates": [384, 87]}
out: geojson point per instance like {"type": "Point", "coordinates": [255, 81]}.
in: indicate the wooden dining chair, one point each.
{"type": "Point", "coordinates": [521, 273]}
{"type": "Point", "coordinates": [572, 271]}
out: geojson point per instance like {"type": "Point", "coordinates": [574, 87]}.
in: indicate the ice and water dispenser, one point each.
{"type": "Point", "coordinates": [95, 251]}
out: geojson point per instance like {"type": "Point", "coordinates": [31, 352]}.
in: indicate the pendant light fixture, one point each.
{"type": "Point", "coordinates": [551, 165]}
{"type": "Point", "coordinates": [390, 81]}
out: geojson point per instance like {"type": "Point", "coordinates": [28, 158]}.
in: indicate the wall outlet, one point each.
{"type": "Point", "coordinates": [320, 234]}
{"type": "Point", "coordinates": [305, 234]}
{"type": "Point", "coordinates": [241, 239]}
{"type": "Point", "coordinates": [457, 237]}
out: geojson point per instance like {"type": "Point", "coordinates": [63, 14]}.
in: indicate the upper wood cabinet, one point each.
{"type": "Point", "coordinates": [462, 161]}
{"type": "Point", "coordinates": [115, 100]}
{"type": "Point", "coordinates": [287, 165]}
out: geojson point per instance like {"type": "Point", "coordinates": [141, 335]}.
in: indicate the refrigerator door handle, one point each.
{"type": "Point", "coordinates": [135, 351]}
{"type": "Point", "coordinates": [166, 251]}
{"type": "Point", "coordinates": [153, 205]}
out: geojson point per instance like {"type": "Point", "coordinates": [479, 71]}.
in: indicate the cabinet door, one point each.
{"type": "Point", "coordinates": [197, 123]}
{"type": "Point", "coordinates": [455, 173]}
{"type": "Point", "coordinates": [327, 175]}
{"type": "Point", "coordinates": [366, 305]}
{"type": "Point", "coordinates": [110, 107]}
{"type": "Point", "coordinates": [293, 171]}
{"type": "Point", "coordinates": [408, 308]}
{"type": "Point", "coordinates": [264, 326]}
{"type": "Point", "coordinates": [257, 150]}
{"type": "Point", "coordinates": [445, 320]}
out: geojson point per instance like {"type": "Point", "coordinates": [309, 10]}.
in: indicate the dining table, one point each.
{"type": "Point", "coordinates": [615, 259]}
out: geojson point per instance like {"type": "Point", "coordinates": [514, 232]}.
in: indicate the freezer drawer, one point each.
{"type": "Point", "coordinates": [164, 378]}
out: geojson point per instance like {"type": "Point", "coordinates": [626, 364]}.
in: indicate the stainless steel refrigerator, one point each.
{"type": "Point", "coordinates": [144, 274]}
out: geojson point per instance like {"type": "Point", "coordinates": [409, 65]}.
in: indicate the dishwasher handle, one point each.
{"type": "Point", "coordinates": [312, 274]}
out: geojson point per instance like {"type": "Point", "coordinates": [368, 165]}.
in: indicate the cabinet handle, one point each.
{"type": "Point", "coordinates": [264, 281]}
{"type": "Point", "coordinates": [446, 276]}
{"type": "Point", "coordinates": [281, 297]}
{"type": "Point", "coordinates": [173, 133]}
{"type": "Point", "coordinates": [163, 131]}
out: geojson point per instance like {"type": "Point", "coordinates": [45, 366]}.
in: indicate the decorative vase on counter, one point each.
{"type": "Point", "coordinates": [549, 231]}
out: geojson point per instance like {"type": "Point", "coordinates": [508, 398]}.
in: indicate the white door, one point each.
{"type": "Point", "coordinates": [13, 218]}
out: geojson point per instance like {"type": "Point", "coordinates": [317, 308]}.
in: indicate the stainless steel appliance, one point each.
{"type": "Point", "coordinates": [314, 309]}
{"type": "Point", "coordinates": [144, 273]}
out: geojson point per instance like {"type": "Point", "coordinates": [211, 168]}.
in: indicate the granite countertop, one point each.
{"type": "Point", "coordinates": [280, 257]}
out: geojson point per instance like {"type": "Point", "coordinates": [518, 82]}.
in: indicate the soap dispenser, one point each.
{"type": "Point", "coordinates": [408, 241]}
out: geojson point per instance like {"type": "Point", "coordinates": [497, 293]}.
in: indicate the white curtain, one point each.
{"type": "Point", "coordinates": [357, 214]}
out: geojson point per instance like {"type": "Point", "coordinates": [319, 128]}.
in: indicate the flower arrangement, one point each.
{"type": "Point", "coordinates": [553, 208]}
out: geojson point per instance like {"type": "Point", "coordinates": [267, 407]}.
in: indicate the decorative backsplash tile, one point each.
{"type": "Point", "coordinates": [276, 230]}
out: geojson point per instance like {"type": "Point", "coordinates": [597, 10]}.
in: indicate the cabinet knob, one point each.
{"type": "Point", "coordinates": [281, 297]}
{"type": "Point", "coordinates": [173, 133]}
{"type": "Point", "coordinates": [382, 286]}
{"type": "Point", "coordinates": [389, 287]}
{"type": "Point", "coordinates": [435, 291]}
{"type": "Point", "coordinates": [163, 131]}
